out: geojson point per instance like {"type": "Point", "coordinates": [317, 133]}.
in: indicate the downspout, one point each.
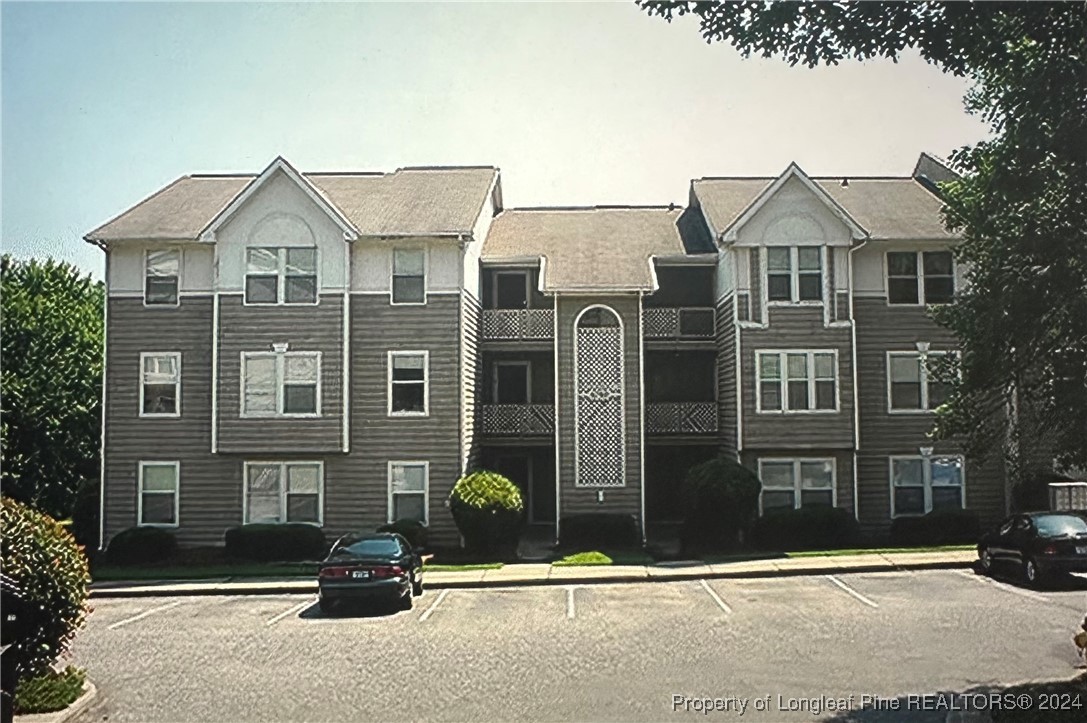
{"type": "Point", "coordinates": [558, 416]}
{"type": "Point", "coordinates": [856, 395]}
{"type": "Point", "coordinates": [102, 444]}
{"type": "Point", "coordinates": [737, 368]}
{"type": "Point", "coordinates": [345, 402]}
{"type": "Point", "coordinates": [641, 410]}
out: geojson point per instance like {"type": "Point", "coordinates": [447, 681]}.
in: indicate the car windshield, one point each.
{"type": "Point", "coordinates": [372, 547]}
{"type": "Point", "coordinates": [1060, 525]}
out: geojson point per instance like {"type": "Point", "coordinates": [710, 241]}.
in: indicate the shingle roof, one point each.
{"type": "Point", "coordinates": [888, 208]}
{"type": "Point", "coordinates": [410, 201]}
{"type": "Point", "coordinates": [588, 249]}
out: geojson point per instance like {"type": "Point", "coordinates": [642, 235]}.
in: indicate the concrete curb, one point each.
{"type": "Point", "coordinates": [653, 574]}
{"type": "Point", "coordinates": [60, 716]}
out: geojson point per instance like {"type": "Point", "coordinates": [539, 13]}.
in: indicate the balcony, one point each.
{"type": "Point", "coordinates": [518, 324]}
{"type": "Point", "coordinates": [518, 419]}
{"type": "Point", "coordinates": [678, 322]}
{"type": "Point", "coordinates": [681, 417]}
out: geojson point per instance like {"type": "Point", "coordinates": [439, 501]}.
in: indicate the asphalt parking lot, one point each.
{"type": "Point", "coordinates": [606, 652]}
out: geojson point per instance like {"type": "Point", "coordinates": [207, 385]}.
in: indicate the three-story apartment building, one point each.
{"type": "Point", "coordinates": [338, 348]}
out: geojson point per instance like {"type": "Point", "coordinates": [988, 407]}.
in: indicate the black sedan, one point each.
{"type": "Point", "coordinates": [379, 566]}
{"type": "Point", "coordinates": [1037, 545]}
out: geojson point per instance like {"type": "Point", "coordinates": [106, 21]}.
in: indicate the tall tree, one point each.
{"type": "Point", "coordinates": [1020, 204]}
{"type": "Point", "coordinates": [50, 383]}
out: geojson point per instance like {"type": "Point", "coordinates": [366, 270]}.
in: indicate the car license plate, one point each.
{"type": "Point", "coordinates": [360, 574]}
{"type": "Point", "coordinates": [1081, 550]}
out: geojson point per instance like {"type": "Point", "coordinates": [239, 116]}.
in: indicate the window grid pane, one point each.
{"type": "Point", "coordinates": [157, 509]}
{"type": "Point", "coordinates": [159, 478]}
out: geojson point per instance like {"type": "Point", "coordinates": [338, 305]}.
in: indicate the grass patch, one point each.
{"type": "Point", "coordinates": [458, 568]}
{"type": "Point", "coordinates": [106, 573]}
{"type": "Point", "coordinates": [596, 557]}
{"type": "Point", "coordinates": [52, 691]}
{"type": "Point", "coordinates": [879, 551]}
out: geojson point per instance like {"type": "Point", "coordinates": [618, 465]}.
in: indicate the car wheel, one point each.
{"type": "Point", "coordinates": [416, 586]}
{"type": "Point", "coordinates": [1030, 572]}
{"type": "Point", "coordinates": [405, 601]}
{"type": "Point", "coordinates": [986, 560]}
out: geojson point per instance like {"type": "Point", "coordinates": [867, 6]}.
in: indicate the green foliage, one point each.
{"type": "Point", "coordinates": [599, 529]}
{"type": "Point", "coordinates": [51, 573]}
{"type": "Point", "coordinates": [809, 528]}
{"type": "Point", "coordinates": [50, 383]}
{"type": "Point", "coordinates": [594, 557]}
{"type": "Point", "coordinates": [278, 543]}
{"type": "Point", "coordinates": [720, 498]}
{"type": "Point", "coordinates": [1020, 203]}
{"type": "Point", "coordinates": [942, 527]}
{"type": "Point", "coordinates": [412, 530]}
{"type": "Point", "coordinates": [49, 691]}
{"type": "Point", "coordinates": [141, 545]}
{"type": "Point", "coordinates": [488, 511]}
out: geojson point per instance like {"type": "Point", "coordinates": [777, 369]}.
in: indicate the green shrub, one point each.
{"type": "Point", "coordinates": [412, 530]}
{"type": "Point", "coordinates": [599, 529]}
{"type": "Point", "coordinates": [809, 528]}
{"type": "Point", "coordinates": [50, 571]}
{"type": "Point", "coordinates": [942, 527]}
{"type": "Point", "coordinates": [141, 545]}
{"type": "Point", "coordinates": [488, 511]}
{"type": "Point", "coordinates": [720, 498]}
{"type": "Point", "coordinates": [49, 691]}
{"type": "Point", "coordinates": [266, 542]}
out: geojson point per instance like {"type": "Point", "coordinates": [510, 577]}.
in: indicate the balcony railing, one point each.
{"type": "Point", "coordinates": [518, 419]}
{"type": "Point", "coordinates": [684, 322]}
{"type": "Point", "coordinates": [681, 417]}
{"type": "Point", "coordinates": [518, 324]}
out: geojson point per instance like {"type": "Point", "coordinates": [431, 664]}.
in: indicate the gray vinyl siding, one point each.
{"type": "Point", "coordinates": [754, 268]}
{"type": "Point", "coordinates": [743, 305]}
{"type": "Point", "coordinates": [841, 306]}
{"type": "Point", "coordinates": [726, 375]}
{"type": "Point", "coordinates": [470, 376]}
{"type": "Point", "coordinates": [209, 489]}
{"type": "Point", "coordinates": [843, 466]}
{"type": "Point", "coordinates": [800, 328]}
{"type": "Point", "coordinates": [303, 328]}
{"type": "Point", "coordinates": [577, 500]}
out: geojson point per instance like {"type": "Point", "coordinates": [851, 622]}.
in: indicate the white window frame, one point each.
{"type": "Point", "coordinates": [180, 262]}
{"type": "Point", "coordinates": [143, 464]}
{"type": "Point", "coordinates": [925, 408]}
{"type": "Point", "coordinates": [926, 480]}
{"type": "Point", "coordinates": [798, 487]}
{"type": "Point", "coordinates": [281, 277]}
{"type": "Point", "coordinates": [794, 275]}
{"type": "Point", "coordinates": [177, 385]}
{"type": "Point", "coordinates": [392, 275]}
{"type": "Point", "coordinates": [389, 382]}
{"type": "Point", "coordinates": [784, 381]}
{"type": "Point", "coordinates": [920, 278]}
{"type": "Point", "coordinates": [283, 465]}
{"type": "Point", "coordinates": [280, 358]}
{"type": "Point", "coordinates": [426, 488]}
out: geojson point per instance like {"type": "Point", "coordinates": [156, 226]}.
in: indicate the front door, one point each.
{"type": "Point", "coordinates": [537, 491]}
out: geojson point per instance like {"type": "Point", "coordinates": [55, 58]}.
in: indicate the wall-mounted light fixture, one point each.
{"type": "Point", "coordinates": [600, 497]}
{"type": "Point", "coordinates": [279, 347]}
{"type": "Point", "coordinates": [922, 346]}
{"type": "Point", "coordinates": [926, 452]}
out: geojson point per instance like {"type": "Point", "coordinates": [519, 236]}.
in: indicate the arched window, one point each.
{"type": "Point", "coordinates": [599, 424]}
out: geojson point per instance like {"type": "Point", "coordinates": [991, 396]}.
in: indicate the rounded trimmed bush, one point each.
{"type": "Point", "coordinates": [809, 528]}
{"type": "Point", "coordinates": [270, 542]}
{"type": "Point", "coordinates": [141, 545]}
{"type": "Point", "coordinates": [411, 530]}
{"type": "Point", "coordinates": [720, 498]}
{"type": "Point", "coordinates": [49, 574]}
{"type": "Point", "coordinates": [488, 511]}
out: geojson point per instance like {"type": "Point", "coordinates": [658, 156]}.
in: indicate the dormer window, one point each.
{"type": "Point", "coordinates": [161, 277]}
{"type": "Point", "coordinates": [281, 276]}
{"type": "Point", "coordinates": [794, 274]}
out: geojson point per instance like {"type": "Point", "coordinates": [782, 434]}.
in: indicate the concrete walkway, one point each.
{"type": "Point", "coordinates": [515, 575]}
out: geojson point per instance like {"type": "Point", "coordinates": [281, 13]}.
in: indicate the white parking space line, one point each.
{"type": "Point", "coordinates": [570, 603]}
{"type": "Point", "coordinates": [1004, 586]}
{"type": "Point", "coordinates": [867, 601]}
{"type": "Point", "coordinates": [716, 598]}
{"type": "Point", "coordinates": [434, 606]}
{"type": "Point", "coordinates": [144, 614]}
{"type": "Point", "coordinates": [293, 611]}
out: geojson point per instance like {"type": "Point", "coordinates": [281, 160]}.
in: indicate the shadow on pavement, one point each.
{"type": "Point", "coordinates": [350, 610]}
{"type": "Point", "coordinates": [973, 704]}
{"type": "Point", "coordinates": [1061, 583]}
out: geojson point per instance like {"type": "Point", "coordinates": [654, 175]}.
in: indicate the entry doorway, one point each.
{"type": "Point", "coordinates": [537, 489]}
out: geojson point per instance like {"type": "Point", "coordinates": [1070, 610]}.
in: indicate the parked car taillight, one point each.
{"type": "Point", "coordinates": [1050, 550]}
{"type": "Point", "coordinates": [332, 572]}
{"type": "Point", "coordinates": [386, 571]}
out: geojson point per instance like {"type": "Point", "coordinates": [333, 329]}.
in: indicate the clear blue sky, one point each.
{"type": "Point", "coordinates": [102, 104]}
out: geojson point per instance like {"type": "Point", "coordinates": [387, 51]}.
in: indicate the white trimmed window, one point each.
{"type": "Point", "coordinates": [409, 377]}
{"type": "Point", "coordinates": [911, 386]}
{"type": "Point", "coordinates": [281, 275]}
{"type": "Point", "coordinates": [284, 384]}
{"type": "Point", "coordinates": [920, 485]}
{"type": "Point", "coordinates": [913, 276]}
{"type": "Point", "coordinates": [409, 485]}
{"type": "Point", "coordinates": [794, 274]}
{"type": "Point", "coordinates": [158, 493]}
{"type": "Point", "coordinates": [795, 483]}
{"type": "Point", "coordinates": [797, 381]}
{"type": "Point", "coordinates": [284, 492]}
{"type": "Point", "coordinates": [161, 273]}
{"type": "Point", "coordinates": [160, 384]}
{"type": "Point", "coordinates": [409, 276]}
